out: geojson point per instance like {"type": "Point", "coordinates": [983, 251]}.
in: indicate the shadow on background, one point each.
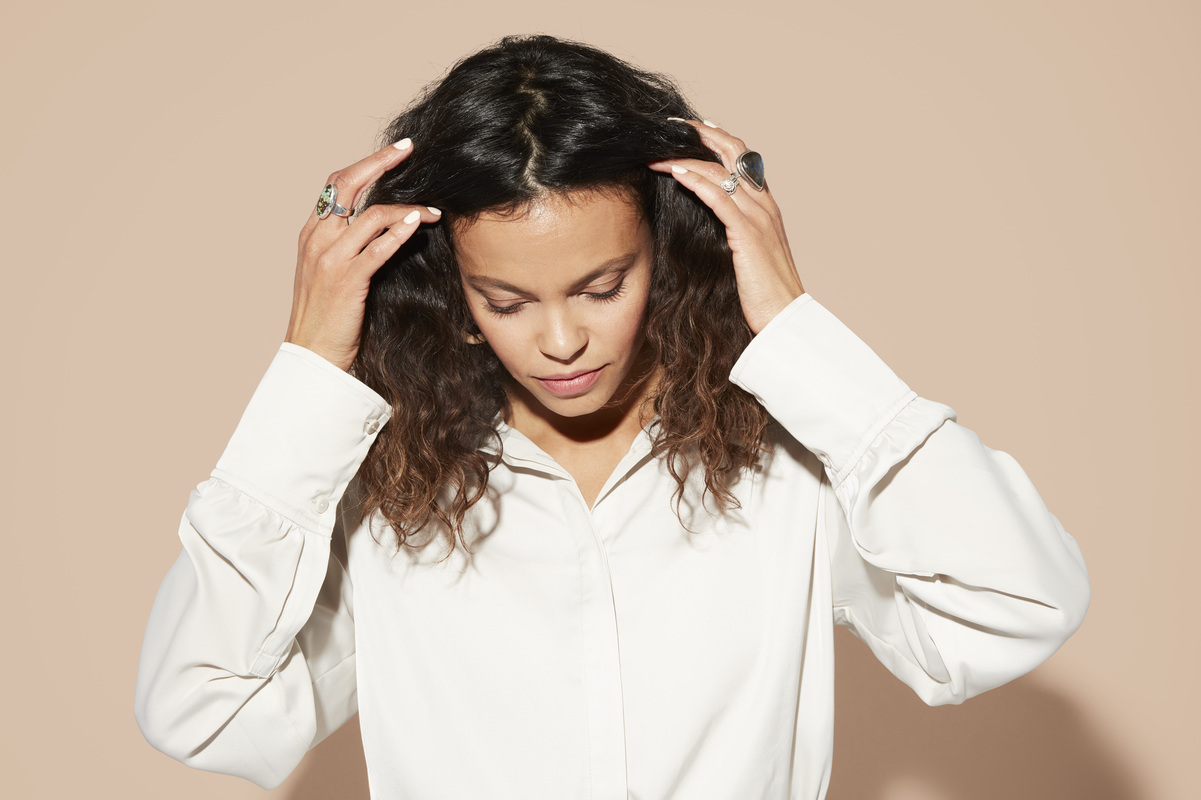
{"type": "Point", "coordinates": [334, 768]}
{"type": "Point", "coordinates": [1017, 741]}
{"type": "Point", "coordinates": [1020, 740]}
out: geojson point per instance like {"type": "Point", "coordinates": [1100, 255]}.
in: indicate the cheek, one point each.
{"type": "Point", "coordinates": [630, 326]}
{"type": "Point", "coordinates": [633, 317]}
{"type": "Point", "coordinates": [504, 336]}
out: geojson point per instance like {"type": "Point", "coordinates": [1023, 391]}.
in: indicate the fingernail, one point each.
{"type": "Point", "coordinates": [707, 122]}
{"type": "Point", "coordinates": [412, 217]}
{"type": "Point", "coordinates": [678, 169]}
{"type": "Point", "coordinates": [404, 144]}
{"type": "Point", "coordinates": [677, 119]}
{"type": "Point", "coordinates": [434, 210]}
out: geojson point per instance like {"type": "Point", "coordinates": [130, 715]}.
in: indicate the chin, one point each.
{"type": "Point", "coordinates": [580, 406]}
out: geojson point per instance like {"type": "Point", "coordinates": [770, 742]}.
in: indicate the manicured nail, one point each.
{"type": "Point", "coordinates": [677, 119]}
{"type": "Point", "coordinates": [678, 169]}
{"type": "Point", "coordinates": [412, 217]}
{"type": "Point", "coordinates": [707, 122]}
{"type": "Point", "coordinates": [404, 144]}
{"type": "Point", "coordinates": [434, 210]}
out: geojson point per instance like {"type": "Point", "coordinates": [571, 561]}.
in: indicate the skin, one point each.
{"type": "Point", "coordinates": [336, 258]}
{"type": "Point", "coordinates": [763, 265]}
{"type": "Point", "coordinates": [559, 289]}
{"type": "Point", "coordinates": [545, 256]}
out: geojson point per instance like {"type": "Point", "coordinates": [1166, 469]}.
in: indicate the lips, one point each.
{"type": "Point", "coordinates": [568, 376]}
{"type": "Point", "coordinates": [571, 383]}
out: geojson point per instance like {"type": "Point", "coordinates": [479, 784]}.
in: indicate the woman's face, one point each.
{"type": "Point", "coordinates": [559, 292]}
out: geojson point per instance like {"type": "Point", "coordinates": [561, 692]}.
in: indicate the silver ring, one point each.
{"type": "Point", "coordinates": [327, 204]}
{"type": "Point", "coordinates": [750, 167]}
{"type": "Point", "coordinates": [730, 184]}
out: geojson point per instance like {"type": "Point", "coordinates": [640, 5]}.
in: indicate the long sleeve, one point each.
{"type": "Point", "coordinates": [248, 657]}
{"type": "Point", "coordinates": [944, 559]}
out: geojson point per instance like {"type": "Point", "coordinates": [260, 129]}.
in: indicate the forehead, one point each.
{"type": "Point", "coordinates": [558, 233]}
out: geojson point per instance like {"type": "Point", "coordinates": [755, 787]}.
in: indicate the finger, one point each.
{"type": "Point", "coordinates": [379, 243]}
{"type": "Point", "coordinates": [721, 202]}
{"type": "Point", "coordinates": [709, 169]}
{"type": "Point", "coordinates": [726, 145]}
{"type": "Point", "coordinates": [751, 201]}
{"type": "Point", "coordinates": [349, 182]}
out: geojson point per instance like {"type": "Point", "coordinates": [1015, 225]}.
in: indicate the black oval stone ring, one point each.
{"type": "Point", "coordinates": [750, 167]}
{"type": "Point", "coordinates": [327, 203]}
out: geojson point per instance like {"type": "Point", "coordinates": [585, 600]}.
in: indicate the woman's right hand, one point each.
{"type": "Point", "coordinates": [336, 260]}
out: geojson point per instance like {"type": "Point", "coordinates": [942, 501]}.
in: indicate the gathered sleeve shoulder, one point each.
{"type": "Point", "coordinates": [248, 655]}
{"type": "Point", "coordinates": [944, 559]}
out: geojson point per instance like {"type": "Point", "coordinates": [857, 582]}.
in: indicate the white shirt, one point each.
{"type": "Point", "coordinates": [602, 653]}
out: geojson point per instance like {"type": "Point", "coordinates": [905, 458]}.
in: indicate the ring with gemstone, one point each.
{"type": "Point", "coordinates": [730, 184]}
{"type": "Point", "coordinates": [750, 166]}
{"type": "Point", "coordinates": [327, 203]}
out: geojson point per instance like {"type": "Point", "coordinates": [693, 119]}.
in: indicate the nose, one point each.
{"type": "Point", "coordinates": [562, 338]}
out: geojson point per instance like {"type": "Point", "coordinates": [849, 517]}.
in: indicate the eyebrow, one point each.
{"type": "Point", "coordinates": [618, 263]}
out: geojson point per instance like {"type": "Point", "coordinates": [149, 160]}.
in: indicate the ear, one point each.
{"type": "Point", "coordinates": [472, 334]}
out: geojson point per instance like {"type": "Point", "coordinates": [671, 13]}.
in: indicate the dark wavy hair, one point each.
{"type": "Point", "coordinates": [527, 117]}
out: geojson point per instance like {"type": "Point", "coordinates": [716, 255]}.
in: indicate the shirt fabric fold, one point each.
{"type": "Point", "coordinates": [610, 653]}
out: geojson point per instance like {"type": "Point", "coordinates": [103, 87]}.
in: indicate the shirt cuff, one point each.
{"type": "Point", "coordinates": [822, 383]}
{"type": "Point", "coordinates": [303, 436]}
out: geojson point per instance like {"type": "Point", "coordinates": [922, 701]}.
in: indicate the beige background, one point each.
{"type": "Point", "coordinates": [1000, 197]}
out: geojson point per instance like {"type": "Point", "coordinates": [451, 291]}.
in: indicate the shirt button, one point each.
{"type": "Point", "coordinates": [371, 427]}
{"type": "Point", "coordinates": [321, 505]}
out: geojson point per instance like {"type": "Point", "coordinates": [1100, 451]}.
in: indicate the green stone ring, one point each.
{"type": "Point", "coordinates": [750, 167]}
{"type": "Point", "coordinates": [327, 203]}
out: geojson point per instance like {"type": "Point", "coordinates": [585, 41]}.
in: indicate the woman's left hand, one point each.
{"type": "Point", "coordinates": [763, 267]}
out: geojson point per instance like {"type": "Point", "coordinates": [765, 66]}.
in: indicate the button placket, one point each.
{"type": "Point", "coordinates": [601, 650]}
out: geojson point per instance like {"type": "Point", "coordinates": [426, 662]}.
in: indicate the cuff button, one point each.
{"type": "Point", "coordinates": [371, 427]}
{"type": "Point", "coordinates": [321, 505]}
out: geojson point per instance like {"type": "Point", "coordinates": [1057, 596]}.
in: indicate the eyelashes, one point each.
{"type": "Point", "coordinates": [597, 297]}
{"type": "Point", "coordinates": [612, 294]}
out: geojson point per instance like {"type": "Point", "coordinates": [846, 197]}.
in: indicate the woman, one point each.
{"type": "Point", "coordinates": [561, 479]}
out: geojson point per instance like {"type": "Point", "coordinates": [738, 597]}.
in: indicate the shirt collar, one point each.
{"type": "Point", "coordinates": [517, 449]}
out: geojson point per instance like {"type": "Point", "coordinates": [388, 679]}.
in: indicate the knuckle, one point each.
{"type": "Point", "coordinates": [308, 250]}
{"type": "Point", "coordinates": [344, 181]}
{"type": "Point", "coordinates": [310, 242]}
{"type": "Point", "coordinates": [373, 217]}
{"type": "Point", "coordinates": [761, 217]}
{"type": "Point", "coordinates": [381, 246]}
{"type": "Point", "coordinates": [315, 259]}
{"type": "Point", "coordinates": [326, 262]}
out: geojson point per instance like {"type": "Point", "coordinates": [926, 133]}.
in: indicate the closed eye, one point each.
{"type": "Point", "coordinates": [612, 294]}
{"type": "Point", "coordinates": [601, 297]}
{"type": "Point", "coordinates": [503, 310]}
